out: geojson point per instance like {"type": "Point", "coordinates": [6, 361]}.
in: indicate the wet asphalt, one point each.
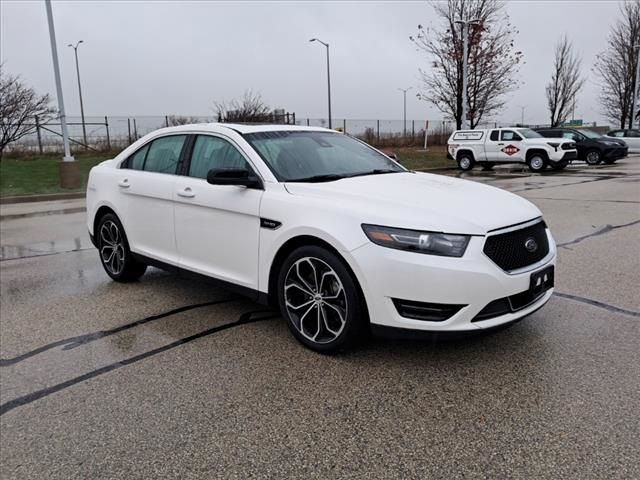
{"type": "Point", "coordinates": [170, 378]}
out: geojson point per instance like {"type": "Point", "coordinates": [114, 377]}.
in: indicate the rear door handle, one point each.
{"type": "Point", "coordinates": [186, 192]}
{"type": "Point", "coordinates": [124, 183]}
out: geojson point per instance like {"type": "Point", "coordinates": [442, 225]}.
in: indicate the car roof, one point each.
{"type": "Point", "coordinates": [242, 128]}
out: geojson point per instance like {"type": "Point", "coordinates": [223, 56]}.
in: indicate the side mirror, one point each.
{"type": "Point", "coordinates": [233, 176]}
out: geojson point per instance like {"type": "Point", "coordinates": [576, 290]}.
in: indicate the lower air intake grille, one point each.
{"type": "Point", "coordinates": [429, 312]}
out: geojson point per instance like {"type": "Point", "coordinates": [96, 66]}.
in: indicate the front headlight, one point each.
{"type": "Point", "coordinates": [431, 243]}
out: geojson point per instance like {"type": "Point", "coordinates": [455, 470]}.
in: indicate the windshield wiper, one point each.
{"type": "Point", "coordinates": [329, 177]}
{"type": "Point", "coordinates": [377, 171]}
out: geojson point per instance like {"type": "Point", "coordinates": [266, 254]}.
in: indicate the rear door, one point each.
{"type": "Point", "coordinates": [146, 183]}
{"type": "Point", "coordinates": [217, 227]}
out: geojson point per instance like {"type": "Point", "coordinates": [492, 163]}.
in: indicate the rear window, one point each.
{"type": "Point", "coordinates": [468, 135]}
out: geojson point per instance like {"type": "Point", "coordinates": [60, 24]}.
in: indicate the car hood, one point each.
{"type": "Point", "coordinates": [422, 201]}
{"type": "Point", "coordinates": [547, 141]}
{"type": "Point", "coordinates": [611, 140]}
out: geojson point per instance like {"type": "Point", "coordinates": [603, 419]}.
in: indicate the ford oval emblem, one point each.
{"type": "Point", "coordinates": [531, 245]}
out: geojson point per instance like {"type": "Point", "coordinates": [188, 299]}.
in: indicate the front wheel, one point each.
{"type": "Point", "coordinates": [320, 300]}
{"type": "Point", "coordinates": [115, 255]}
{"type": "Point", "coordinates": [536, 162]}
{"type": "Point", "coordinates": [594, 157]}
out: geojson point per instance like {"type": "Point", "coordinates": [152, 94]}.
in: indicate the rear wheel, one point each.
{"type": "Point", "coordinates": [465, 161]}
{"type": "Point", "coordinates": [320, 300]}
{"type": "Point", "coordinates": [115, 255]}
{"type": "Point", "coordinates": [537, 162]}
{"type": "Point", "coordinates": [593, 157]}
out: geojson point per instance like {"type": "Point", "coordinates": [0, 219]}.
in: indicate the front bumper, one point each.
{"type": "Point", "coordinates": [615, 153]}
{"type": "Point", "coordinates": [472, 282]}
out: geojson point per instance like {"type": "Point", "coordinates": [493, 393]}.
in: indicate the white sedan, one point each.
{"type": "Point", "coordinates": [629, 136]}
{"type": "Point", "coordinates": [336, 234]}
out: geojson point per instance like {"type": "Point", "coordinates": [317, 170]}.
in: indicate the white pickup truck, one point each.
{"type": "Point", "coordinates": [509, 145]}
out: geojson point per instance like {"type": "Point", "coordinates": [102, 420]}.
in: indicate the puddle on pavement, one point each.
{"type": "Point", "coordinates": [11, 252]}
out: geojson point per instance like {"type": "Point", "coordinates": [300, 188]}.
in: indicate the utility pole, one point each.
{"type": "Point", "coordinates": [465, 67]}
{"type": "Point", "coordinates": [404, 121]}
{"type": "Point", "coordinates": [634, 97]}
{"type": "Point", "coordinates": [84, 130]}
{"type": "Point", "coordinates": [328, 76]}
{"type": "Point", "coordinates": [68, 168]}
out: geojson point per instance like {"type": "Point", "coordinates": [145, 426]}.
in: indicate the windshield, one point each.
{"type": "Point", "coordinates": [318, 156]}
{"type": "Point", "coordinates": [590, 133]}
{"type": "Point", "coordinates": [528, 133]}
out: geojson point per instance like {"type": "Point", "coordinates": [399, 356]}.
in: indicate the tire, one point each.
{"type": "Point", "coordinates": [487, 166]}
{"type": "Point", "coordinates": [559, 165]}
{"type": "Point", "coordinates": [537, 162]}
{"type": "Point", "coordinates": [320, 300]}
{"type": "Point", "coordinates": [465, 162]}
{"type": "Point", "coordinates": [593, 157]}
{"type": "Point", "coordinates": [113, 248]}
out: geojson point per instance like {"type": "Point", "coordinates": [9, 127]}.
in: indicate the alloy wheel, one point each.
{"type": "Point", "coordinates": [112, 247]}
{"type": "Point", "coordinates": [593, 158]}
{"type": "Point", "coordinates": [315, 300]}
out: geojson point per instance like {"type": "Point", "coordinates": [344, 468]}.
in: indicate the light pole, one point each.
{"type": "Point", "coordinates": [75, 50]}
{"type": "Point", "coordinates": [465, 66]}
{"type": "Point", "coordinates": [404, 94]}
{"type": "Point", "coordinates": [328, 76]}
{"type": "Point", "coordinates": [69, 171]}
{"type": "Point", "coordinates": [636, 48]}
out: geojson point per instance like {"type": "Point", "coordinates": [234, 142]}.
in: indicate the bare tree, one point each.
{"type": "Point", "coordinates": [566, 82]}
{"type": "Point", "coordinates": [492, 59]}
{"type": "Point", "coordinates": [176, 120]}
{"type": "Point", "coordinates": [250, 108]}
{"type": "Point", "coordinates": [19, 105]}
{"type": "Point", "coordinates": [616, 66]}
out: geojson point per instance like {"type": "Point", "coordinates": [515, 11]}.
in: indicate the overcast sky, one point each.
{"type": "Point", "coordinates": [163, 57]}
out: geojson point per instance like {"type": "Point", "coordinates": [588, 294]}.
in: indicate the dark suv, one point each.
{"type": "Point", "coordinates": [592, 147]}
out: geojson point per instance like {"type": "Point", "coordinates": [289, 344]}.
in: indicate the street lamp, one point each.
{"type": "Point", "coordinates": [75, 49]}
{"type": "Point", "coordinates": [69, 170]}
{"type": "Point", "coordinates": [328, 76]}
{"type": "Point", "coordinates": [465, 66]}
{"type": "Point", "coordinates": [636, 48]}
{"type": "Point", "coordinates": [404, 94]}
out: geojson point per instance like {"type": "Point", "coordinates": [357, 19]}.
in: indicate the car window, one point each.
{"type": "Point", "coordinates": [163, 154]}
{"type": "Point", "coordinates": [550, 133]}
{"type": "Point", "coordinates": [136, 161]}
{"type": "Point", "coordinates": [571, 136]}
{"type": "Point", "coordinates": [510, 135]}
{"type": "Point", "coordinates": [213, 152]}
{"type": "Point", "coordinates": [495, 135]}
{"type": "Point", "coordinates": [617, 133]}
{"type": "Point", "coordinates": [632, 133]}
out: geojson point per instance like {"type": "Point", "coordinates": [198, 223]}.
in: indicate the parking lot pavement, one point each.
{"type": "Point", "coordinates": [168, 378]}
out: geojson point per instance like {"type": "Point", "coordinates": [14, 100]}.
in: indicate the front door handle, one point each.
{"type": "Point", "coordinates": [124, 183]}
{"type": "Point", "coordinates": [501, 144]}
{"type": "Point", "coordinates": [187, 193]}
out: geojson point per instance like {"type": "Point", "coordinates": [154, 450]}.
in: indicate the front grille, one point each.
{"type": "Point", "coordinates": [508, 250]}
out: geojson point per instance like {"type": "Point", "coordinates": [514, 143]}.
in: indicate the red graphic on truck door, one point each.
{"type": "Point", "coordinates": [510, 149]}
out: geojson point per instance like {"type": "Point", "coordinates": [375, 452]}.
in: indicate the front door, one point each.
{"type": "Point", "coordinates": [510, 147]}
{"type": "Point", "coordinates": [217, 226]}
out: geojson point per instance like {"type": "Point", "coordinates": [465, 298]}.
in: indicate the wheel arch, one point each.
{"type": "Point", "coordinates": [466, 150]}
{"type": "Point", "coordinates": [301, 241]}
{"type": "Point", "coordinates": [540, 151]}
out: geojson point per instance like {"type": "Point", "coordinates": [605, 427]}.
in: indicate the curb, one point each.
{"type": "Point", "coordinates": [42, 214]}
{"type": "Point", "coordinates": [41, 198]}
